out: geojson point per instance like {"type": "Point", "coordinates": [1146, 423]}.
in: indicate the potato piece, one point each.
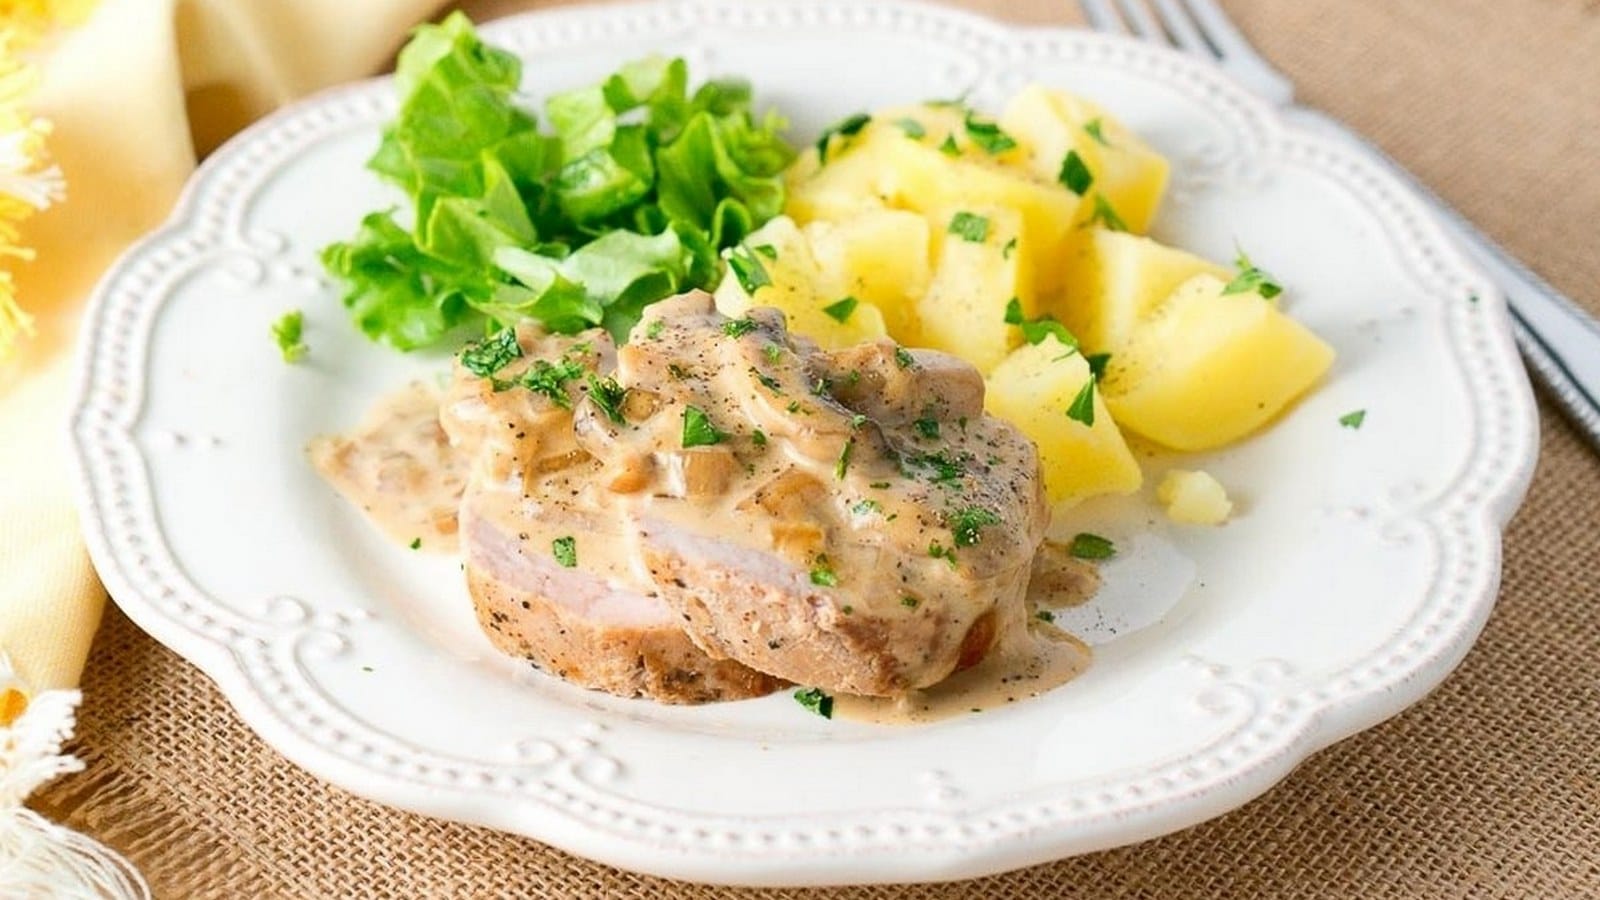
{"type": "Point", "coordinates": [976, 274]}
{"type": "Point", "coordinates": [1114, 279]}
{"type": "Point", "coordinates": [1127, 172]}
{"type": "Point", "coordinates": [1209, 368]}
{"type": "Point", "coordinates": [858, 177]}
{"type": "Point", "coordinates": [794, 289]}
{"type": "Point", "coordinates": [878, 256]}
{"type": "Point", "coordinates": [1032, 389]}
{"type": "Point", "coordinates": [1194, 498]}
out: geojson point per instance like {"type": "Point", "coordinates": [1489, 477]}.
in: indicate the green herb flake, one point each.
{"type": "Point", "coordinates": [287, 333]}
{"type": "Point", "coordinates": [794, 406]}
{"type": "Point", "coordinates": [858, 420]}
{"type": "Point", "coordinates": [1009, 248]}
{"type": "Point", "coordinates": [903, 358]}
{"type": "Point", "coordinates": [950, 147]}
{"type": "Point", "coordinates": [767, 381]}
{"type": "Point", "coordinates": [970, 227]}
{"type": "Point", "coordinates": [1082, 408]}
{"type": "Point", "coordinates": [910, 602]}
{"type": "Point", "coordinates": [1353, 420]}
{"type": "Point", "coordinates": [1075, 175]}
{"type": "Point", "coordinates": [606, 394]}
{"type": "Point", "coordinates": [1097, 364]}
{"type": "Point", "coordinates": [493, 353]}
{"type": "Point", "coordinates": [1096, 129]}
{"type": "Point", "coordinates": [822, 574]}
{"type": "Point", "coordinates": [698, 430]}
{"type": "Point", "coordinates": [736, 328]}
{"type": "Point", "coordinates": [841, 310]}
{"type": "Point", "coordinates": [773, 353]}
{"type": "Point", "coordinates": [946, 469]}
{"type": "Point", "coordinates": [816, 701]}
{"type": "Point", "coordinates": [847, 127]}
{"type": "Point", "coordinates": [565, 550]}
{"type": "Point", "coordinates": [879, 485]}
{"type": "Point", "coordinates": [416, 543]}
{"type": "Point", "coordinates": [1045, 615]}
{"type": "Point", "coordinates": [550, 379]}
{"type": "Point", "coordinates": [967, 524]}
{"type": "Point", "coordinates": [867, 506]}
{"type": "Point", "coordinates": [1105, 215]}
{"type": "Point", "coordinates": [767, 250]}
{"type": "Point", "coordinates": [758, 437]}
{"type": "Point", "coordinates": [842, 464]}
{"type": "Point", "coordinates": [747, 268]}
{"type": "Point", "coordinates": [653, 330]}
{"type": "Point", "coordinates": [927, 428]}
{"type": "Point", "coordinates": [912, 128]}
{"type": "Point", "coordinates": [939, 551]}
{"type": "Point", "coordinates": [1091, 546]}
{"type": "Point", "coordinates": [1251, 278]}
{"type": "Point", "coordinates": [988, 135]}
{"type": "Point", "coordinates": [1036, 330]}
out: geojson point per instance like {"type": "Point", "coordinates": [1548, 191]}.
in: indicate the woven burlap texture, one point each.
{"type": "Point", "coordinates": [1489, 788]}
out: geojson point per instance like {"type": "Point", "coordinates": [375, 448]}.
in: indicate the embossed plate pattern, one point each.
{"type": "Point", "coordinates": [1358, 571]}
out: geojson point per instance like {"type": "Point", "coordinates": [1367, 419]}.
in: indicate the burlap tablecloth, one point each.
{"type": "Point", "coordinates": [1489, 788]}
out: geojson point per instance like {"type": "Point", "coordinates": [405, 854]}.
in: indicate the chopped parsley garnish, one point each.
{"type": "Point", "coordinates": [416, 543]}
{"type": "Point", "coordinates": [752, 275]}
{"type": "Point", "coordinates": [1075, 175]}
{"type": "Point", "coordinates": [767, 381]}
{"type": "Point", "coordinates": [968, 523]}
{"type": "Point", "coordinates": [858, 420]}
{"type": "Point", "coordinates": [939, 551]}
{"type": "Point", "coordinates": [1106, 215]}
{"type": "Point", "coordinates": [969, 227]}
{"type": "Point", "coordinates": [491, 354]}
{"type": "Point", "coordinates": [758, 437]}
{"type": "Point", "coordinates": [945, 469]}
{"type": "Point", "coordinates": [565, 550]}
{"type": "Point", "coordinates": [843, 462]}
{"type": "Point", "coordinates": [903, 358]}
{"type": "Point", "coordinates": [866, 506]}
{"type": "Point", "coordinates": [1008, 249]}
{"type": "Point", "coordinates": [653, 330]}
{"type": "Point", "coordinates": [821, 387]}
{"type": "Point", "coordinates": [607, 394]}
{"type": "Point", "coordinates": [988, 135]}
{"type": "Point", "coordinates": [849, 126]}
{"type": "Point", "coordinates": [1045, 615]}
{"type": "Point", "coordinates": [288, 331]}
{"type": "Point", "coordinates": [1251, 278]}
{"type": "Point", "coordinates": [772, 352]}
{"type": "Point", "coordinates": [738, 327]}
{"type": "Point", "coordinates": [816, 701]}
{"type": "Point", "coordinates": [794, 406]}
{"type": "Point", "coordinates": [910, 602]}
{"type": "Point", "coordinates": [677, 371]}
{"type": "Point", "coordinates": [1082, 408]}
{"type": "Point", "coordinates": [927, 428]}
{"type": "Point", "coordinates": [550, 379]}
{"type": "Point", "coordinates": [1353, 419]}
{"type": "Point", "coordinates": [1097, 364]}
{"type": "Point", "coordinates": [912, 128]}
{"type": "Point", "coordinates": [822, 574]}
{"type": "Point", "coordinates": [1096, 130]}
{"type": "Point", "coordinates": [949, 147]}
{"type": "Point", "coordinates": [767, 250]}
{"type": "Point", "coordinates": [841, 310]}
{"type": "Point", "coordinates": [1035, 331]}
{"type": "Point", "coordinates": [879, 485]}
{"type": "Point", "coordinates": [1092, 546]}
{"type": "Point", "coordinates": [698, 430]}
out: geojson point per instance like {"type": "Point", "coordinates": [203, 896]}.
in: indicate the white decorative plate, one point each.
{"type": "Point", "coordinates": [1358, 571]}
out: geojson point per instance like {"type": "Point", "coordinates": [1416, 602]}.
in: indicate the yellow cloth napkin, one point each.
{"type": "Point", "coordinates": [134, 93]}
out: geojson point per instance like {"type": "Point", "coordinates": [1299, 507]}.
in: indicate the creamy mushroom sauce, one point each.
{"type": "Point", "coordinates": [844, 429]}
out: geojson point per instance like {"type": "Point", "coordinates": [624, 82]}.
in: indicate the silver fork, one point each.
{"type": "Point", "coordinates": [1559, 341]}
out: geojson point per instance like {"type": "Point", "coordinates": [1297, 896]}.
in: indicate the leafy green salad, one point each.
{"type": "Point", "coordinates": [626, 195]}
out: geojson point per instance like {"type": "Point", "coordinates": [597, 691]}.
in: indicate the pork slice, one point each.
{"type": "Point", "coordinates": [596, 628]}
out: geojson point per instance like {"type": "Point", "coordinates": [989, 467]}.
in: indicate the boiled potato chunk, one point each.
{"type": "Point", "coordinates": [982, 263]}
{"type": "Point", "coordinates": [858, 176]}
{"type": "Point", "coordinates": [1115, 279]}
{"type": "Point", "coordinates": [1127, 172]}
{"type": "Point", "coordinates": [1032, 389]}
{"type": "Point", "coordinates": [794, 274]}
{"type": "Point", "coordinates": [879, 256]}
{"type": "Point", "coordinates": [1209, 368]}
{"type": "Point", "coordinates": [1194, 498]}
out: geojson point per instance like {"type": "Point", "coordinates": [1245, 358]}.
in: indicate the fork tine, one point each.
{"type": "Point", "coordinates": [1137, 15]}
{"type": "Point", "coordinates": [1102, 17]}
{"type": "Point", "coordinates": [1219, 30]}
{"type": "Point", "coordinates": [1181, 27]}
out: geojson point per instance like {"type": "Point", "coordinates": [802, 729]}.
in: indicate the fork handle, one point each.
{"type": "Point", "coordinates": [1559, 341]}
